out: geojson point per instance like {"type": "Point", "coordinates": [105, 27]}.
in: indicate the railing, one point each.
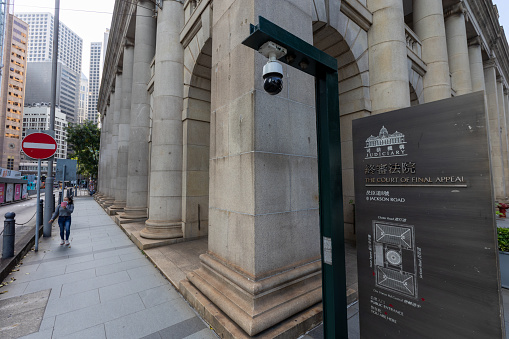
{"type": "Point", "coordinates": [412, 42]}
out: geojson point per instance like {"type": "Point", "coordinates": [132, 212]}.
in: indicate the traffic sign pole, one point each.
{"type": "Point", "coordinates": [38, 221]}
{"type": "Point", "coordinates": [40, 146]}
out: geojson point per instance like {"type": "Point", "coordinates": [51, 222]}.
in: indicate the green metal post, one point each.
{"type": "Point", "coordinates": [331, 206]}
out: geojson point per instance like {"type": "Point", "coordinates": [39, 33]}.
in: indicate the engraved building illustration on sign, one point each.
{"type": "Point", "coordinates": [385, 145]}
{"type": "Point", "coordinates": [395, 258]}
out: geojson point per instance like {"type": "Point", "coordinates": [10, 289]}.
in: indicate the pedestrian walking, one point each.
{"type": "Point", "coordinates": [64, 219]}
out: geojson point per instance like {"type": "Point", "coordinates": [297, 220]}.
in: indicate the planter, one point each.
{"type": "Point", "coordinates": [503, 258]}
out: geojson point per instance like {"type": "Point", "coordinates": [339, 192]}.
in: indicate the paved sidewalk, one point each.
{"type": "Point", "coordinates": [100, 287]}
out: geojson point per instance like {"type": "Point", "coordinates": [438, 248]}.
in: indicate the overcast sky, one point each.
{"type": "Point", "coordinates": [90, 18]}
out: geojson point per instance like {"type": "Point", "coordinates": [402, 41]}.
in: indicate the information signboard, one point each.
{"type": "Point", "coordinates": [9, 192]}
{"type": "Point", "coordinates": [424, 214]}
{"type": "Point", "coordinates": [70, 169]}
{"type": "Point", "coordinates": [24, 191]}
{"type": "Point", "coordinates": [17, 192]}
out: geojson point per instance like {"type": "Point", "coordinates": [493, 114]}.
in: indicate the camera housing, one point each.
{"type": "Point", "coordinates": [273, 77]}
{"type": "Point", "coordinates": [273, 70]}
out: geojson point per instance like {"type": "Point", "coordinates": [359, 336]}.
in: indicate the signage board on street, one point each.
{"type": "Point", "coordinates": [424, 214]}
{"type": "Point", "coordinates": [70, 169]}
{"type": "Point", "coordinates": [39, 146]}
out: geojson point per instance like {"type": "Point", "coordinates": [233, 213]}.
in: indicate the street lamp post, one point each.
{"type": "Point", "coordinates": [323, 67]}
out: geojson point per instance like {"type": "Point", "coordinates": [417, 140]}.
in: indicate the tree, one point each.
{"type": "Point", "coordinates": [84, 140]}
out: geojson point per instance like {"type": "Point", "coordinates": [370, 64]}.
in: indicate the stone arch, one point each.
{"type": "Point", "coordinates": [196, 135]}
{"type": "Point", "coordinates": [346, 41]}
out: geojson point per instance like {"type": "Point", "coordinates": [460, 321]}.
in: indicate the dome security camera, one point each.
{"type": "Point", "coordinates": [273, 70]}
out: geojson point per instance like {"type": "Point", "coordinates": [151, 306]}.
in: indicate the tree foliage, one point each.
{"type": "Point", "coordinates": [84, 140]}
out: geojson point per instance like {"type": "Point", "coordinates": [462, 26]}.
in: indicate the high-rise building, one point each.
{"type": "Point", "coordinates": [94, 79]}
{"type": "Point", "coordinates": [40, 49]}
{"type": "Point", "coordinates": [38, 87]}
{"type": "Point", "coordinates": [37, 116]}
{"type": "Point", "coordinates": [12, 89]}
{"type": "Point", "coordinates": [40, 44]}
{"type": "Point", "coordinates": [83, 101]}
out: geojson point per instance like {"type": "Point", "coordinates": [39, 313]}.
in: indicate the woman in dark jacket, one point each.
{"type": "Point", "coordinates": [64, 219]}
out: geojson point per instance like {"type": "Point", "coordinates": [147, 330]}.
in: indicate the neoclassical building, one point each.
{"type": "Point", "coordinates": [192, 146]}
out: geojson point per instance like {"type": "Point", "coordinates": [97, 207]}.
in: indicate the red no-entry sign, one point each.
{"type": "Point", "coordinates": [39, 146]}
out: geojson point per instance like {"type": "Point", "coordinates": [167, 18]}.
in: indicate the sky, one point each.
{"type": "Point", "coordinates": [89, 19]}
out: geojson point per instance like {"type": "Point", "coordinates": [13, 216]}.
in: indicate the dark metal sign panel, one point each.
{"type": "Point", "coordinates": [70, 166]}
{"type": "Point", "coordinates": [426, 236]}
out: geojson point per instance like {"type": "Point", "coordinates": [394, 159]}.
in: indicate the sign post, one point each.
{"type": "Point", "coordinates": [426, 235]}
{"type": "Point", "coordinates": [39, 146]}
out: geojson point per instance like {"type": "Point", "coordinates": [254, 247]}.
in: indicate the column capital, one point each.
{"type": "Point", "coordinates": [475, 41]}
{"type": "Point", "coordinates": [458, 8]}
{"type": "Point", "coordinates": [490, 63]}
{"type": "Point", "coordinates": [119, 71]}
{"type": "Point", "coordinates": [500, 79]}
{"type": "Point", "coordinates": [128, 42]}
{"type": "Point", "coordinates": [159, 3]}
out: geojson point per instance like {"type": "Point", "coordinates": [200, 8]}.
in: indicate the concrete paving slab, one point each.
{"type": "Point", "coordinates": [94, 283]}
{"type": "Point", "coordinates": [91, 264]}
{"type": "Point", "coordinates": [57, 306]}
{"type": "Point", "coordinates": [22, 315]}
{"type": "Point", "coordinates": [158, 295]}
{"type": "Point", "coordinates": [95, 332]}
{"type": "Point", "coordinates": [141, 283]}
{"type": "Point", "coordinates": [75, 321]}
{"type": "Point", "coordinates": [147, 321]}
{"type": "Point", "coordinates": [121, 266]}
{"type": "Point", "coordinates": [59, 280]}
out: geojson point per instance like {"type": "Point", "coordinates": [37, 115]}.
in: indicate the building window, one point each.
{"type": "Point", "coordinates": [10, 163]}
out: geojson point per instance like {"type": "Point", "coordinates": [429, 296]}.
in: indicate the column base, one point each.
{"type": "Point", "coordinates": [161, 230]}
{"type": "Point", "coordinates": [116, 208]}
{"type": "Point", "coordinates": [106, 202]}
{"type": "Point", "coordinates": [134, 213]}
{"type": "Point", "coordinates": [256, 306]}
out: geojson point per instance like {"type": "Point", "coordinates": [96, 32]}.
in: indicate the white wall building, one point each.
{"type": "Point", "coordinates": [37, 117]}
{"type": "Point", "coordinates": [40, 43]}
{"type": "Point", "coordinates": [83, 101]}
{"type": "Point", "coordinates": [94, 79]}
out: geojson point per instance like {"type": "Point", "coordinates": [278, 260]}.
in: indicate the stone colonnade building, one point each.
{"type": "Point", "coordinates": [192, 146]}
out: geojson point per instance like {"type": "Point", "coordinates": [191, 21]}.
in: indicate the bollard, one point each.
{"type": "Point", "coordinates": [53, 209]}
{"type": "Point", "coordinates": [60, 197]}
{"type": "Point", "coordinates": [9, 235]}
{"type": "Point", "coordinates": [41, 211]}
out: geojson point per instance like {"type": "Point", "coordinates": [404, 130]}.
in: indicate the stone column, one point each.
{"type": "Point", "coordinates": [137, 167]}
{"type": "Point", "coordinates": [430, 27]}
{"type": "Point", "coordinates": [165, 212]}
{"type": "Point", "coordinates": [503, 130]}
{"type": "Point", "coordinates": [105, 155]}
{"type": "Point", "coordinates": [117, 115]}
{"type": "Point", "coordinates": [263, 261]}
{"type": "Point", "coordinates": [109, 122]}
{"type": "Point", "coordinates": [457, 49]}
{"type": "Point", "coordinates": [494, 131]}
{"type": "Point", "coordinates": [124, 124]}
{"type": "Point", "coordinates": [476, 65]}
{"type": "Point", "coordinates": [388, 73]}
{"type": "Point", "coordinates": [100, 170]}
